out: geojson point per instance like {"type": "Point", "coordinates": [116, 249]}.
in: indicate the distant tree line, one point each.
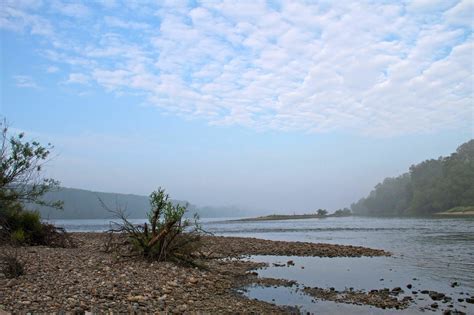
{"type": "Point", "coordinates": [429, 187]}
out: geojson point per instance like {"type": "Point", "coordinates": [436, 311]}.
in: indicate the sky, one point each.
{"type": "Point", "coordinates": [284, 106]}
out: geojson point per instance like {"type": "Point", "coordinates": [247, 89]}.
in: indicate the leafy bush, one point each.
{"type": "Point", "coordinates": [11, 266]}
{"type": "Point", "coordinates": [166, 235]}
{"type": "Point", "coordinates": [21, 227]}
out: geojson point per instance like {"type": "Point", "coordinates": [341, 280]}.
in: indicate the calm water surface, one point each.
{"type": "Point", "coordinates": [435, 252]}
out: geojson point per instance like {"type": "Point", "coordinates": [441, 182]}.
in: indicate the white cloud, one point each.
{"type": "Point", "coordinates": [25, 81]}
{"type": "Point", "coordinates": [71, 9]}
{"type": "Point", "coordinates": [370, 67]}
{"type": "Point", "coordinates": [117, 22]}
{"type": "Point", "coordinates": [461, 14]}
{"type": "Point", "coordinates": [78, 78]}
{"type": "Point", "coordinates": [14, 19]}
{"type": "Point", "coordinates": [52, 69]}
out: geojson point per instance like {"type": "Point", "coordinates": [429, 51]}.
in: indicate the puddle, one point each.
{"type": "Point", "coordinates": [307, 304]}
{"type": "Point", "coordinates": [361, 273]}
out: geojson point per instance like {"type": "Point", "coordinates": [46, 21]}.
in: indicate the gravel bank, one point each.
{"type": "Point", "coordinates": [85, 279]}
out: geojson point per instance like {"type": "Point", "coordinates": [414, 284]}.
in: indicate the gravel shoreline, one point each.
{"type": "Point", "coordinates": [86, 279]}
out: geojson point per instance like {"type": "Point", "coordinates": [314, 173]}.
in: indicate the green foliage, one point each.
{"type": "Point", "coordinates": [166, 235]}
{"type": "Point", "coordinates": [343, 212]}
{"type": "Point", "coordinates": [21, 163]}
{"type": "Point", "coordinates": [431, 186]}
{"type": "Point", "coordinates": [21, 227]}
{"type": "Point", "coordinates": [21, 182]}
{"type": "Point", "coordinates": [322, 212]}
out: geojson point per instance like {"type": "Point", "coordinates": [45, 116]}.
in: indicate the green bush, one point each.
{"type": "Point", "coordinates": [22, 227]}
{"type": "Point", "coordinates": [166, 235]}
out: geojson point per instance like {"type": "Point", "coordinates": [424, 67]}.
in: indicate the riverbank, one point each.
{"type": "Point", "coordinates": [86, 279]}
{"type": "Point", "coordinates": [457, 212]}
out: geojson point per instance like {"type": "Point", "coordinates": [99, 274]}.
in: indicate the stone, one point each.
{"type": "Point", "coordinates": [435, 296]}
{"type": "Point", "coordinates": [182, 308]}
{"type": "Point", "coordinates": [136, 298]}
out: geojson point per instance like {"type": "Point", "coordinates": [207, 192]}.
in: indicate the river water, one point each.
{"type": "Point", "coordinates": [429, 254]}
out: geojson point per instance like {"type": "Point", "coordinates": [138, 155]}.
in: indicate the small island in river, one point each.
{"type": "Point", "coordinates": [320, 214]}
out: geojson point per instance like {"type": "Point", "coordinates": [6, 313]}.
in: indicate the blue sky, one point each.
{"type": "Point", "coordinates": [277, 105]}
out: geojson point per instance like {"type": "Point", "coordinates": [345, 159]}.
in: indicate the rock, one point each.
{"type": "Point", "coordinates": [290, 263]}
{"type": "Point", "coordinates": [454, 284]}
{"type": "Point", "coordinates": [193, 280]}
{"type": "Point", "coordinates": [434, 305]}
{"type": "Point", "coordinates": [397, 289]}
{"type": "Point", "coordinates": [470, 300]}
{"type": "Point", "coordinates": [137, 298]}
{"type": "Point", "coordinates": [135, 306]}
{"type": "Point", "coordinates": [425, 292]}
{"type": "Point", "coordinates": [182, 308]}
{"type": "Point", "coordinates": [409, 286]}
{"type": "Point", "coordinates": [436, 296]}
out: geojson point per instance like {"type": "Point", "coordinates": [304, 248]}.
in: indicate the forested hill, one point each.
{"type": "Point", "coordinates": [85, 204]}
{"type": "Point", "coordinates": [429, 187]}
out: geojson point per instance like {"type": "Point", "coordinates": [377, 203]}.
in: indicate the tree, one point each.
{"type": "Point", "coordinates": [21, 182]}
{"type": "Point", "coordinates": [322, 212]}
{"type": "Point", "coordinates": [342, 212]}
{"type": "Point", "coordinates": [21, 164]}
{"type": "Point", "coordinates": [430, 186]}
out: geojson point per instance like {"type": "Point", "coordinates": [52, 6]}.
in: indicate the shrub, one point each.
{"type": "Point", "coordinates": [166, 235]}
{"type": "Point", "coordinates": [22, 227]}
{"type": "Point", "coordinates": [11, 266]}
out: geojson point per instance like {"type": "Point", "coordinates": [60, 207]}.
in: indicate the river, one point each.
{"type": "Point", "coordinates": [429, 254]}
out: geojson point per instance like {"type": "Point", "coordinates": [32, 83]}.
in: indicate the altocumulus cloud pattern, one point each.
{"type": "Point", "coordinates": [373, 67]}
